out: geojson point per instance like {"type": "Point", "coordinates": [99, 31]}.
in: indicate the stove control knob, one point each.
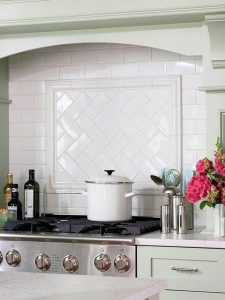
{"type": "Point", "coordinates": [1, 257]}
{"type": "Point", "coordinates": [122, 263]}
{"type": "Point", "coordinates": [43, 262]}
{"type": "Point", "coordinates": [70, 263]}
{"type": "Point", "coordinates": [102, 262]}
{"type": "Point", "coordinates": [13, 258]}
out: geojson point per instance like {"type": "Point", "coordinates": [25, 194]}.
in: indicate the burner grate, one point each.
{"type": "Point", "coordinates": [80, 224]}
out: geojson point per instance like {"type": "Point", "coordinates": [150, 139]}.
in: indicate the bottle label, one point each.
{"type": "Point", "coordinates": [13, 211]}
{"type": "Point", "coordinates": [29, 203]}
{"type": "Point", "coordinates": [7, 197]}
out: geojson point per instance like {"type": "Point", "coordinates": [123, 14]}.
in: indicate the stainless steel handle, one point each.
{"type": "Point", "coordinates": [184, 269]}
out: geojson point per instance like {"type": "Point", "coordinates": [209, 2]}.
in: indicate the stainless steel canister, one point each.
{"type": "Point", "coordinates": [165, 219]}
{"type": "Point", "coordinates": [189, 213]}
{"type": "Point", "coordinates": [175, 201]}
{"type": "Point", "coordinates": [181, 219]}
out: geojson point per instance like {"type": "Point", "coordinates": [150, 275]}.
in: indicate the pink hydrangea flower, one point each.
{"type": "Point", "coordinates": [219, 165]}
{"type": "Point", "coordinates": [213, 194]}
{"type": "Point", "coordinates": [197, 188]}
{"type": "Point", "coordinates": [204, 166]}
{"type": "Point", "coordinates": [223, 195]}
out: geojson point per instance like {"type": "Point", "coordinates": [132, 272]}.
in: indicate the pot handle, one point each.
{"type": "Point", "coordinates": [131, 194]}
{"type": "Point", "coordinates": [85, 193]}
{"type": "Point", "coordinates": [109, 172]}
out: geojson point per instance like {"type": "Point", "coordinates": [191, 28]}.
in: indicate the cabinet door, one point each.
{"type": "Point", "coordinates": [185, 269]}
{"type": "Point", "coordinates": [178, 295]}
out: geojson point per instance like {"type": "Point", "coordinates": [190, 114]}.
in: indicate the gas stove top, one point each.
{"type": "Point", "coordinates": [81, 225]}
{"type": "Point", "coordinates": [72, 244]}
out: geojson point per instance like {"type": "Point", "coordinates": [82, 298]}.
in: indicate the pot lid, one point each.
{"type": "Point", "coordinates": [109, 178]}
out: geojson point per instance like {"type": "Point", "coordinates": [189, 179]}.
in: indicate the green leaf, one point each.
{"type": "Point", "coordinates": [209, 204]}
{"type": "Point", "coordinates": [203, 204]}
{"type": "Point", "coordinates": [216, 175]}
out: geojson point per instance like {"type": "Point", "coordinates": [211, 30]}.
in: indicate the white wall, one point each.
{"type": "Point", "coordinates": [29, 73]}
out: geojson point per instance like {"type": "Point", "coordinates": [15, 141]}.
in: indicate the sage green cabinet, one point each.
{"type": "Point", "coordinates": [189, 272]}
{"type": "Point", "coordinates": [4, 125]}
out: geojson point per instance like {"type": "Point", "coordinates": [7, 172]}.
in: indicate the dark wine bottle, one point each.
{"type": "Point", "coordinates": [31, 196]}
{"type": "Point", "coordinates": [15, 205]}
{"type": "Point", "coordinates": [7, 191]}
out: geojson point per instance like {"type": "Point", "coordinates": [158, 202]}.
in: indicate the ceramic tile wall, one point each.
{"type": "Point", "coordinates": [31, 71]}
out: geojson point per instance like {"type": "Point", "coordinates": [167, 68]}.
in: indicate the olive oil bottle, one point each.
{"type": "Point", "coordinates": [7, 190]}
{"type": "Point", "coordinates": [31, 196]}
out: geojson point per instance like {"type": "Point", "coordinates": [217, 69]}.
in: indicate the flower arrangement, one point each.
{"type": "Point", "coordinates": [208, 184]}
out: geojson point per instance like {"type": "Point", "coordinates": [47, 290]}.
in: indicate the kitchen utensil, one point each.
{"type": "Point", "coordinates": [171, 177]}
{"type": "Point", "coordinates": [175, 201]}
{"type": "Point", "coordinates": [171, 190]}
{"type": "Point", "coordinates": [157, 180]}
{"type": "Point", "coordinates": [165, 219]}
{"type": "Point", "coordinates": [181, 219]}
{"type": "Point", "coordinates": [109, 198]}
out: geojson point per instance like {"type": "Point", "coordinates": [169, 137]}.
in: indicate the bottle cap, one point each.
{"type": "Point", "coordinates": [14, 187]}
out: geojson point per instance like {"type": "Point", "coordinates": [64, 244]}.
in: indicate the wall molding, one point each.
{"type": "Point", "coordinates": [5, 101]}
{"type": "Point", "coordinates": [212, 89]}
{"type": "Point", "coordinates": [216, 29]}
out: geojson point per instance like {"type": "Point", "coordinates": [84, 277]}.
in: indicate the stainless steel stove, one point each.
{"type": "Point", "coordinates": [62, 244]}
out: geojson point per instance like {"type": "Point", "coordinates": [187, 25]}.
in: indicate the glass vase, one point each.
{"type": "Point", "coordinates": [218, 215]}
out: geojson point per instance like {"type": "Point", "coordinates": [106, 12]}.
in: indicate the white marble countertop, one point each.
{"type": "Point", "coordinates": [36, 286]}
{"type": "Point", "coordinates": [194, 238]}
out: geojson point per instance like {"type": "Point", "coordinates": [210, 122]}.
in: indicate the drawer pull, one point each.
{"type": "Point", "coordinates": [184, 269]}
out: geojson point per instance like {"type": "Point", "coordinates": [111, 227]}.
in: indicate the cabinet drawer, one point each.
{"type": "Point", "coordinates": [178, 295]}
{"type": "Point", "coordinates": [186, 269]}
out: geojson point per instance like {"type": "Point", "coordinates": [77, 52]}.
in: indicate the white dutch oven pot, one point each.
{"type": "Point", "coordinates": [109, 198]}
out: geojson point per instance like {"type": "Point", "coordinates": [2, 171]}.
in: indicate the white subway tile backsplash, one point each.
{"type": "Point", "coordinates": [111, 55]}
{"type": "Point", "coordinates": [84, 57]}
{"type": "Point", "coordinates": [33, 88]}
{"type": "Point", "coordinates": [161, 55]}
{"type": "Point", "coordinates": [33, 115]}
{"type": "Point", "coordinates": [15, 116]}
{"type": "Point", "coordinates": [194, 112]}
{"type": "Point", "coordinates": [181, 67]}
{"type": "Point", "coordinates": [22, 74]}
{"type": "Point", "coordinates": [57, 58]}
{"type": "Point", "coordinates": [125, 70]}
{"type": "Point", "coordinates": [194, 142]}
{"type": "Point", "coordinates": [72, 72]}
{"type": "Point", "coordinates": [192, 82]}
{"type": "Point", "coordinates": [39, 129]}
{"type": "Point", "coordinates": [137, 54]}
{"type": "Point", "coordinates": [189, 157]}
{"type": "Point", "coordinates": [21, 157]}
{"type": "Point", "coordinates": [200, 97]}
{"type": "Point", "coordinates": [189, 127]}
{"type": "Point", "coordinates": [40, 157]}
{"type": "Point", "coordinates": [21, 129]}
{"type": "Point", "coordinates": [152, 68]}
{"type": "Point", "coordinates": [47, 73]}
{"type": "Point", "coordinates": [112, 65]}
{"type": "Point", "coordinates": [98, 71]}
{"type": "Point", "coordinates": [188, 96]}
{"type": "Point", "coordinates": [33, 59]}
{"type": "Point", "coordinates": [201, 126]}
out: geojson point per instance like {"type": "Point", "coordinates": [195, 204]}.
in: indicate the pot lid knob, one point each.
{"type": "Point", "coordinates": [109, 172]}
